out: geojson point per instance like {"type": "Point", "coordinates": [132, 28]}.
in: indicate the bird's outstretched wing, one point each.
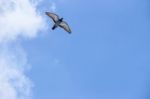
{"type": "Point", "coordinates": [65, 26]}
{"type": "Point", "coordinates": [54, 17]}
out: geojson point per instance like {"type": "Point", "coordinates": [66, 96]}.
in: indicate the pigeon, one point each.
{"type": "Point", "coordinates": [58, 22]}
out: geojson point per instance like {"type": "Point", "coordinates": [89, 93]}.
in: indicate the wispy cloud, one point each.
{"type": "Point", "coordinates": [13, 82]}
{"type": "Point", "coordinates": [53, 6]}
{"type": "Point", "coordinates": [18, 19]}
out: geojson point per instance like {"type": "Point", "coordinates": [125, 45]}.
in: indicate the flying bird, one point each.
{"type": "Point", "coordinates": [58, 22]}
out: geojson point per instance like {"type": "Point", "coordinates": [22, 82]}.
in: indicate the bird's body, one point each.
{"type": "Point", "coordinates": [58, 22]}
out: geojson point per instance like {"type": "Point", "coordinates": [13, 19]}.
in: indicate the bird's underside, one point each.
{"type": "Point", "coordinates": [58, 22]}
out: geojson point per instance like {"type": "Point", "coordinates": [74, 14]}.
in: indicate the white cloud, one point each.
{"type": "Point", "coordinates": [18, 18]}
{"type": "Point", "coordinates": [13, 82]}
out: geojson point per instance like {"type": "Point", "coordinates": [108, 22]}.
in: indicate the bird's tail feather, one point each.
{"type": "Point", "coordinates": [53, 28]}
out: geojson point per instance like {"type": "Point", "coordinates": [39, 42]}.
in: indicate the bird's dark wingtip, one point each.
{"type": "Point", "coordinates": [46, 12]}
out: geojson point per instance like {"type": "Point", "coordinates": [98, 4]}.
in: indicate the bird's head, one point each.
{"type": "Point", "coordinates": [61, 19]}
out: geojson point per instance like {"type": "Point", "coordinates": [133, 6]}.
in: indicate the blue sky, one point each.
{"type": "Point", "coordinates": [107, 56]}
